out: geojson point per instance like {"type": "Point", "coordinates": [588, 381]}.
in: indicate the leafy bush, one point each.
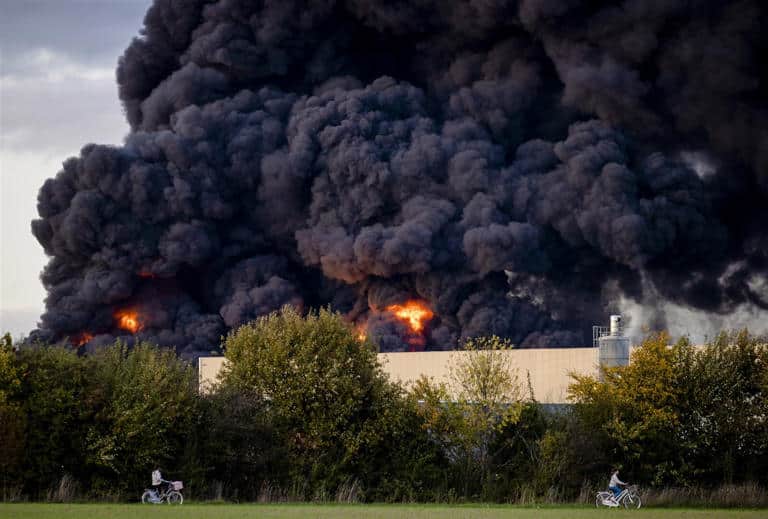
{"type": "Point", "coordinates": [52, 396]}
{"type": "Point", "coordinates": [465, 416]}
{"type": "Point", "coordinates": [678, 415]}
{"type": "Point", "coordinates": [144, 402]}
{"type": "Point", "coordinates": [235, 450]}
{"type": "Point", "coordinates": [12, 422]}
{"type": "Point", "coordinates": [305, 412]}
{"type": "Point", "coordinates": [338, 414]}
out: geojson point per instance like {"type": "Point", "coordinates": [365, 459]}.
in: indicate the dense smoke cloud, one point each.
{"type": "Point", "coordinates": [520, 166]}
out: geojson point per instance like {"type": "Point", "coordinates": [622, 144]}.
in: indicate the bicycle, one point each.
{"type": "Point", "coordinates": [628, 498]}
{"type": "Point", "coordinates": [171, 494]}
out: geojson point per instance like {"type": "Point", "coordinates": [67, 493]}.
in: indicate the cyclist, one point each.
{"type": "Point", "coordinates": [615, 483]}
{"type": "Point", "coordinates": [157, 481]}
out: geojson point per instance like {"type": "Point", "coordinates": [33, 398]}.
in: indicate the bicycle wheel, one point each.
{"type": "Point", "coordinates": [601, 498]}
{"type": "Point", "coordinates": [631, 501]}
{"type": "Point", "coordinates": [146, 497]}
{"type": "Point", "coordinates": [175, 498]}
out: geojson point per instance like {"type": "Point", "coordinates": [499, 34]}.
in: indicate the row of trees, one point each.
{"type": "Point", "coordinates": [680, 415]}
{"type": "Point", "coordinates": [101, 420]}
{"type": "Point", "coordinates": [305, 412]}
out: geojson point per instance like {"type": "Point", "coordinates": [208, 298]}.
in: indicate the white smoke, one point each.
{"type": "Point", "coordinates": [681, 321]}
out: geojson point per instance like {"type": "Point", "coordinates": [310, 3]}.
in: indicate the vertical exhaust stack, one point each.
{"type": "Point", "coordinates": [617, 327]}
{"type": "Point", "coordinates": [612, 345]}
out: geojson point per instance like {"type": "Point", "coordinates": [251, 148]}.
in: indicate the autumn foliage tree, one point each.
{"type": "Point", "coordinates": [144, 402]}
{"type": "Point", "coordinates": [677, 414]}
{"type": "Point", "coordinates": [482, 396]}
{"type": "Point", "coordinates": [305, 411]}
{"type": "Point", "coordinates": [100, 421]}
{"type": "Point", "coordinates": [340, 416]}
{"type": "Point", "coordinates": [725, 423]}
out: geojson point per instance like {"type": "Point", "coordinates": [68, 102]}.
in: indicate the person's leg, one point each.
{"type": "Point", "coordinates": [616, 491]}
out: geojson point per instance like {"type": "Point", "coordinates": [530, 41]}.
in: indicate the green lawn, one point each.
{"type": "Point", "coordinates": [195, 511]}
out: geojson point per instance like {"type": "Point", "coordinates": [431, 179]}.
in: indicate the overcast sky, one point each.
{"type": "Point", "coordinates": [57, 93]}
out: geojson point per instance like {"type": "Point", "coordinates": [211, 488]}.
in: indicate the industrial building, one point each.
{"type": "Point", "coordinates": [549, 369]}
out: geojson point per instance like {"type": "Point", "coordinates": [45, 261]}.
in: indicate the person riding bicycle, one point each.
{"type": "Point", "coordinates": [163, 490]}
{"type": "Point", "coordinates": [158, 483]}
{"type": "Point", "coordinates": [615, 483]}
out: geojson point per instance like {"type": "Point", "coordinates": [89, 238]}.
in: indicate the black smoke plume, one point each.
{"type": "Point", "coordinates": [516, 165]}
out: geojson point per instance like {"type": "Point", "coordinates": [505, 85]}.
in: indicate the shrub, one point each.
{"type": "Point", "coordinates": [144, 402]}
{"type": "Point", "coordinates": [337, 413]}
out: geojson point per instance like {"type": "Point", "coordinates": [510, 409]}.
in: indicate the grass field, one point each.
{"type": "Point", "coordinates": [291, 511]}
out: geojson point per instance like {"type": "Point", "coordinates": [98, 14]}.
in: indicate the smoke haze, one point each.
{"type": "Point", "coordinates": [524, 168]}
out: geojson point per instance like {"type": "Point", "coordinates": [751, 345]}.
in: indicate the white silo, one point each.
{"type": "Point", "coordinates": [613, 348]}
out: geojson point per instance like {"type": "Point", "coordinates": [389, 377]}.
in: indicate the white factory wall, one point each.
{"type": "Point", "coordinates": [208, 369]}
{"type": "Point", "coordinates": [549, 368]}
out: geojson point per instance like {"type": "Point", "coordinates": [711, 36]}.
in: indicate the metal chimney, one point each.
{"type": "Point", "coordinates": [617, 329]}
{"type": "Point", "coordinates": [613, 348]}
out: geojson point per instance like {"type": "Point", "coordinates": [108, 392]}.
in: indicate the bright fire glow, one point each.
{"type": "Point", "coordinates": [414, 313]}
{"type": "Point", "coordinates": [361, 332]}
{"type": "Point", "coordinates": [81, 338]}
{"type": "Point", "coordinates": [128, 320]}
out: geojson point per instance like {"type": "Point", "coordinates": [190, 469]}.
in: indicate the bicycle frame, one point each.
{"type": "Point", "coordinates": [169, 493]}
{"type": "Point", "coordinates": [627, 497]}
{"type": "Point", "coordinates": [161, 493]}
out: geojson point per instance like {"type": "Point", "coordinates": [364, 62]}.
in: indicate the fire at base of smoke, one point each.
{"type": "Point", "coordinates": [358, 156]}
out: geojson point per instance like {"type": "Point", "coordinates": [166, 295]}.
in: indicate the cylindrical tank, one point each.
{"type": "Point", "coordinates": [613, 351]}
{"type": "Point", "coordinates": [616, 327]}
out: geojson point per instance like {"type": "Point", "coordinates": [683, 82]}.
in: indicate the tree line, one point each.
{"type": "Point", "coordinates": [304, 412]}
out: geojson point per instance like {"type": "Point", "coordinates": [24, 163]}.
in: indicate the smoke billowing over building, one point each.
{"type": "Point", "coordinates": [365, 154]}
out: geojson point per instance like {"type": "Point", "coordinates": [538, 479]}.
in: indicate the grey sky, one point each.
{"type": "Point", "coordinates": [57, 93]}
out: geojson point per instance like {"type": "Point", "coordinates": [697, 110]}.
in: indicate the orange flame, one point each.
{"type": "Point", "coordinates": [81, 338]}
{"type": "Point", "coordinates": [362, 333]}
{"type": "Point", "coordinates": [414, 313]}
{"type": "Point", "coordinates": [146, 274]}
{"type": "Point", "coordinates": [128, 320]}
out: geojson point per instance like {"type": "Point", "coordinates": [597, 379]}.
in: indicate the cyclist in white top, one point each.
{"type": "Point", "coordinates": [613, 485]}
{"type": "Point", "coordinates": [157, 480]}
